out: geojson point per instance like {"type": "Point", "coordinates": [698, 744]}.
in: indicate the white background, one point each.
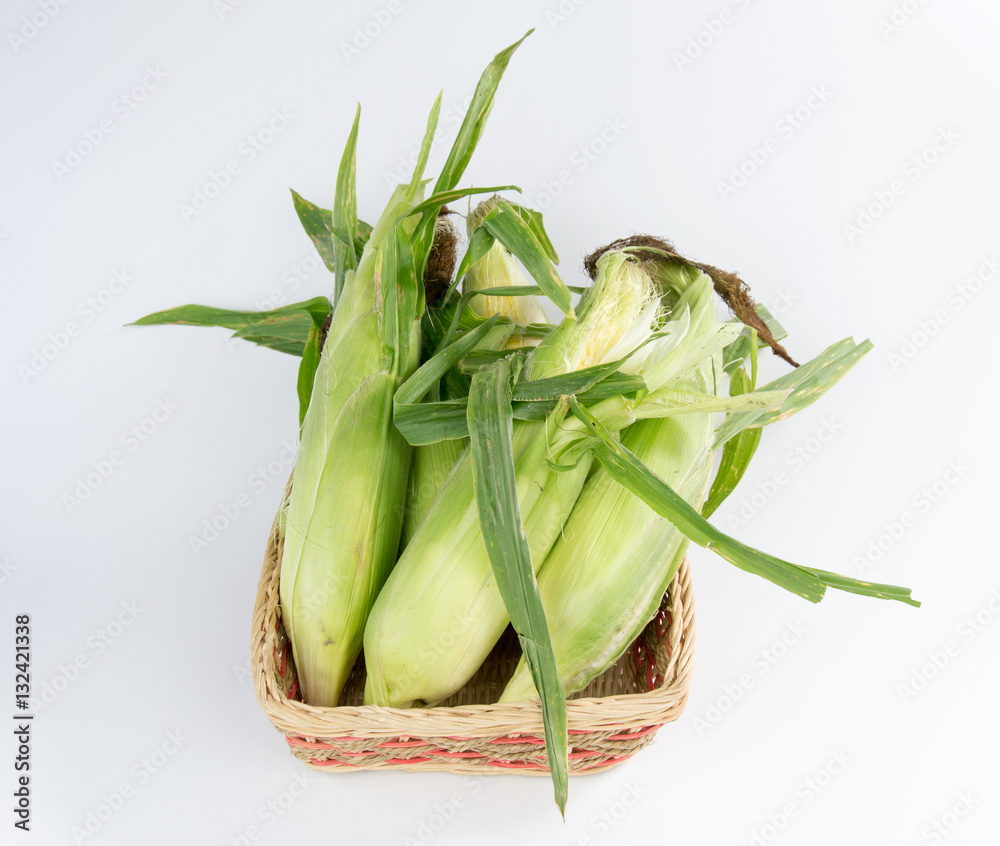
{"type": "Point", "coordinates": [727, 770]}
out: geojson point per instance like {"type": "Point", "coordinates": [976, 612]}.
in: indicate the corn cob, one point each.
{"type": "Point", "coordinates": [606, 574]}
{"type": "Point", "coordinates": [339, 547]}
{"type": "Point", "coordinates": [440, 612]}
{"type": "Point", "coordinates": [497, 269]}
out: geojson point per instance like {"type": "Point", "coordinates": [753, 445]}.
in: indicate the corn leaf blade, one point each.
{"type": "Point", "coordinates": [632, 474]}
{"type": "Point", "coordinates": [490, 428]}
{"type": "Point", "coordinates": [307, 369]}
{"type": "Point", "coordinates": [284, 329]}
{"type": "Point", "coordinates": [533, 219]}
{"type": "Point", "coordinates": [345, 211]}
{"type": "Point", "coordinates": [464, 145]}
{"type": "Point", "coordinates": [504, 224]}
{"type": "Point", "coordinates": [806, 383]}
{"type": "Point", "coordinates": [736, 454]}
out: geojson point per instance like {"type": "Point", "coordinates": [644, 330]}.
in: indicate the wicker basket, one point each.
{"type": "Point", "coordinates": [614, 717]}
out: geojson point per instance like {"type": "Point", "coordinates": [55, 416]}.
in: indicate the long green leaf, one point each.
{"type": "Point", "coordinates": [633, 475]}
{"type": "Point", "coordinates": [506, 225]}
{"type": "Point", "coordinates": [307, 369]}
{"type": "Point", "coordinates": [475, 119]}
{"type": "Point", "coordinates": [464, 145]}
{"type": "Point", "coordinates": [490, 430]}
{"type": "Point", "coordinates": [435, 201]}
{"type": "Point", "coordinates": [807, 384]}
{"type": "Point", "coordinates": [287, 333]}
{"type": "Point", "coordinates": [285, 329]}
{"type": "Point", "coordinates": [317, 223]}
{"type": "Point", "coordinates": [736, 454]}
{"type": "Point", "coordinates": [736, 353]}
{"type": "Point", "coordinates": [401, 293]}
{"type": "Point", "coordinates": [345, 210]}
{"type": "Point", "coordinates": [416, 180]}
{"type": "Point", "coordinates": [534, 220]}
{"type": "Point", "coordinates": [416, 387]}
{"type": "Point", "coordinates": [479, 245]}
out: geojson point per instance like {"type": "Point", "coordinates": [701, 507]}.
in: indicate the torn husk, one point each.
{"type": "Point", "coordinates": [733, 290]}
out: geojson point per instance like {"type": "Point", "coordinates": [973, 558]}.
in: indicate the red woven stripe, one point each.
{"type": "Point", "coordinates": [320, 763]}
{"type": "Point", "coordinates": [640, 733]}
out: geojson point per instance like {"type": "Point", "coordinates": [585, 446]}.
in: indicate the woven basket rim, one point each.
{"type": "Point", "coordinates": [617, 713]}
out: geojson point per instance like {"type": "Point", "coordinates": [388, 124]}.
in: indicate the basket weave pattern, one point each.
{"type": "Point", "coordinates": [615, 716]}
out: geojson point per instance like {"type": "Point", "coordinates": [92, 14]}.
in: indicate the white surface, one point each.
{"type": "Point", "coordinates": [181, 664]}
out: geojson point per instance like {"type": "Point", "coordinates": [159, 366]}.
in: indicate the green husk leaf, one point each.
{"type": "Point", "coordinates": [633, 475]}
{"type": "Point", "coordinates": [425, 147]}
{"type": "Point", "coordinates": [807, 384]}
{"type": "Point", "coordinates": [475, 119]}
{"type": "Point", "coordinates": [434, 202]}
{"type": "Point", "coordinates": [402, 294]}
{"type": "Point", "coordinates": [318, 225]}
{"type": "Point", "coordinates": [345, 211]}
{"type": "Point", "coordinates": [749, 341]}
{"type": "Point", "coordinates": [490, 421]}
{"type": "Point", "coordinates": [307, 369]}
{"type": "Point", "coordinates": [286, 333]}
{"type": "Point", "coordinates": [534, 220]}
{"type": "Point", "coordinates": [566, 384]}
{"type": "Point", "coordinates": [465, 143]}
{"type": "Point", "coordinates": [736, 454]}
{"type": "Point", "coordinates": [284, 329]}
{"type": "Point", "coordinates": [479, 245]}
{"type": "Point", "coordinates": [504, 224]}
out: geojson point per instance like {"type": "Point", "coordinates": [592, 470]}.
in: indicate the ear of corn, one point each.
{"type": "Point", "coordinates": [338, 549]}
{"type": "Point", "coordinates": [345, 513]}
{"type": "Point", "coordinates": [440, 612]}
{"type": "Point", "coordinates": [606, 574]}
{"type": "Point", "coordinates": [497, 269]}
